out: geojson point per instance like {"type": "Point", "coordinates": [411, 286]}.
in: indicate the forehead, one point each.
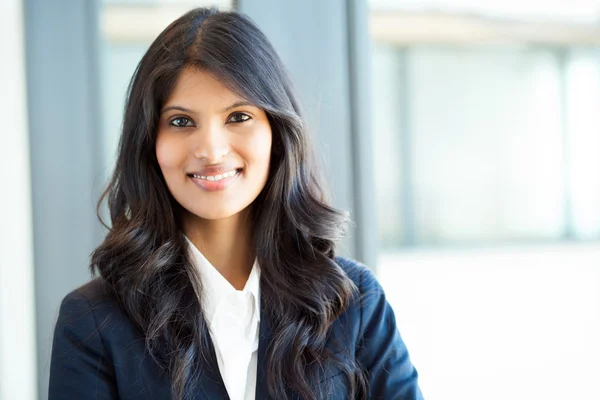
{"type": "Point", "coordinates": [200, 88]}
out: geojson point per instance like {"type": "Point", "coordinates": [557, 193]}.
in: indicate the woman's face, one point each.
{"type": "Point", "coordinates": [213, 147]}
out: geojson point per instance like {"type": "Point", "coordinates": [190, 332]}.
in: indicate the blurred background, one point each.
{"type": "Point", "coordinates": [463, 136]}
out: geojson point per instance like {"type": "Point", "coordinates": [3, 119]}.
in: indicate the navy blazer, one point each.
{"type": "Point", "coordinates": [98, 353]}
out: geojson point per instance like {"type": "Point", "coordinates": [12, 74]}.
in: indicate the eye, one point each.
{"type": "Point", "coordinates": [238, 118]}
{"type": "Point", "coordinates": [181, 122]}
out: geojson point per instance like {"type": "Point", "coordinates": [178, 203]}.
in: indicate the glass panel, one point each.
{"type": "Point", "coordinates": [387, 122]}
{"type": "Point", "coordinates": [486, 142]}
{"type": "Point", "coordinates": [583, 122]}
{"type": "Point", "coordinates": [486, 138]}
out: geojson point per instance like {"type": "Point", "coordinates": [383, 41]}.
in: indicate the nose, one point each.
{"type": "Point", "coordinates": [211, 144]}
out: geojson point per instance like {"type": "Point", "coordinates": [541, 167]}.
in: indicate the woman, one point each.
{"type": "Point", "coordinates": [218, 277]}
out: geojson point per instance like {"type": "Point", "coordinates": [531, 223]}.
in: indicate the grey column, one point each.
{"type": "Point", "coordinates": [62, 78]}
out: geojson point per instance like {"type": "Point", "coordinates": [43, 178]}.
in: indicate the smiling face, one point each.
{"type": "Point", "coordinates": [213, 147]}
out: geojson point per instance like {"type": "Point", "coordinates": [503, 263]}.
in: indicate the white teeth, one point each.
{"type": "Point", "coordinates": [217, 177]}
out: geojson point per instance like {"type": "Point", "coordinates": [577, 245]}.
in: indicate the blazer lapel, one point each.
{"type": "Point", "coordinates": [211, 385]}
{"type": "Point", "coordinates": [264, 338]}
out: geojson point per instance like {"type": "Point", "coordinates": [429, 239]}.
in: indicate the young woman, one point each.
{"type": "Point", "coordinates": [218, 277]}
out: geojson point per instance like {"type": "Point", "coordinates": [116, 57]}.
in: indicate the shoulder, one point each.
{"type": "Point", "coordinates": [80, 322]}
{"type": "Point", "coordinates": [369, 305]}
{"type": "Point", "coordinates": [362, 276]}
{"type": "Point", "coordinates": [368, 300]}
{"type": "Point", "coordinates": [92, 294]}
{"type": "Point", "coordinates": [379, 347]}
{"type": "Point", "coordinates": [91, 305]}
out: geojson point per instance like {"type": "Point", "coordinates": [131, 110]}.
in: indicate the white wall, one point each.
{"type": "Point", "coordinates": [17, 320]}
{"type": "Point", "coordinates": [512, 323]}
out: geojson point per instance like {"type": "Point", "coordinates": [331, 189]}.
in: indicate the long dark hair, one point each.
{"type": "Point", "coordinates": [143, 257]}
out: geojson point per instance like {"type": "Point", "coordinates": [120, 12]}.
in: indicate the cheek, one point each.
{"type": "Point", "coordinates": [261, 148]}
{"type": "Point", "coordinates": [167, 152]}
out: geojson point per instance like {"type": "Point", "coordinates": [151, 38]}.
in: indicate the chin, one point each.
{"type": "Point", "coordinates": [213, 214]}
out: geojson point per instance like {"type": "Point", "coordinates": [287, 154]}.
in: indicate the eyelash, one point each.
{"type": "Point", "coordinates": [172, 121]}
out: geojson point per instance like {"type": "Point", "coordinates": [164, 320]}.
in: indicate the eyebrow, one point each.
{"type": "Point", "coordinates": [187, 110]}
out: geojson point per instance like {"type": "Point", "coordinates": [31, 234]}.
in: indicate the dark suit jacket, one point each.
{"type": "Point", "coordinates": [98, 353]}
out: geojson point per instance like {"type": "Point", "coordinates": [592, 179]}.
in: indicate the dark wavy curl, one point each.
{"type": "Point", "coordinates": [143, 257]}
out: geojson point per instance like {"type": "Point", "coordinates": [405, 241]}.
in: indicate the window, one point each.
{"type": "Point", "coordinates": [484, 123]}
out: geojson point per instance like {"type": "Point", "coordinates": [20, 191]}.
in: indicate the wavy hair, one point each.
{"type": "Point", "coordinates": [143, 258]}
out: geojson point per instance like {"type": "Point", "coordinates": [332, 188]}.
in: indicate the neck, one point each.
{"type": "Point", "coordinates": [226, 243]}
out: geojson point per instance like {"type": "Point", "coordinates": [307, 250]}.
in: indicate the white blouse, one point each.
{"type": "Point", "coordinates": [233, 317]}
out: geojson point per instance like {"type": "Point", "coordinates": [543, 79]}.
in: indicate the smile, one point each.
{"type": "Point", "coordinates": [216, 183]}
{"type": "Point", "coordinates": [216, 178]}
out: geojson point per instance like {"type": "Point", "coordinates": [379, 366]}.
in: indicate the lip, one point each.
{"type": "Point", "coordinates": [214, 186]}
{"type": "Point", "coordinates": [212, 171]}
